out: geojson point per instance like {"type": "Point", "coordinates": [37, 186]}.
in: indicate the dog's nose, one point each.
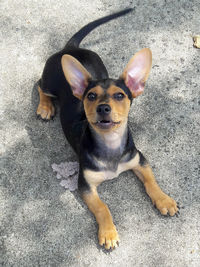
{"type": "Point", "coordinates": [103, 109]}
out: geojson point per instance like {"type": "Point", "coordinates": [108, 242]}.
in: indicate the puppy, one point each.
{"type": "Point", "coordinates": [94, 112]}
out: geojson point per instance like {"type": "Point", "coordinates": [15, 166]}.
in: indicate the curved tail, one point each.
{"type": "Point", "coordinates": [80, 35]}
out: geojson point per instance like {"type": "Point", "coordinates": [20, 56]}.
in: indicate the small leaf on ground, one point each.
{"type": "Point", "coordinates": [196, 40]}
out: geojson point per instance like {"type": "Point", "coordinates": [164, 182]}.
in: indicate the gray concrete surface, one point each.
{"type": "Point", "coordinates": [41, 223]}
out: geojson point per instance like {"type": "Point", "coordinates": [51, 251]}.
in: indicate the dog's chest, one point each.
{"type": "Point", "coordinates": [94, 178]}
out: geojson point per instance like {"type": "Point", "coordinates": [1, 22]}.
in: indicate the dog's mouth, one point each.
{"type": "Point", "coordinates": [106, 124]}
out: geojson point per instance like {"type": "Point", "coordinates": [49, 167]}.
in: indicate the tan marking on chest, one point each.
{"type": "Point", "coordinates": [94, 178]}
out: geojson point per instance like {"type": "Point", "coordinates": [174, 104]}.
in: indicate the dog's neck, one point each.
{"type": "Point", "coordinates": [114, 140]}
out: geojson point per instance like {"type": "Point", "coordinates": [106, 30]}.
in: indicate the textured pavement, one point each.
{"type": "Point", "coordinates": [42, 224]}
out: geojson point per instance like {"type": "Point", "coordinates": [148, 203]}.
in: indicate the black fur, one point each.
{"type": "Point", "coordinates": [72, 114]}
{"type": "Point", "coordinates": [80, 35]}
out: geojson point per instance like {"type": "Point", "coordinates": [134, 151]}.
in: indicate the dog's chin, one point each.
{"type": "Point", "coordinates": [106, 124]}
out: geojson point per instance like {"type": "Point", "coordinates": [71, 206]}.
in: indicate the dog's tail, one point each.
{"type": "Point", "coordinates": [79, 36]}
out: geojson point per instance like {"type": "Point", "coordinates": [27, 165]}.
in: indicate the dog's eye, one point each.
{"type": "Point", "coordinates": [92, 96]}
{"type": "Point", "coordinates": [118, 96]}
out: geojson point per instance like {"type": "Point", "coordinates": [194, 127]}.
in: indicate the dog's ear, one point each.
{"type": "Point", "coordinates": [76, 75]}
{"type": "Point", "coordinates": [137, 71]}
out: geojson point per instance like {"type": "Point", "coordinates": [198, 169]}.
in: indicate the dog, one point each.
{"type": "Point", "coordinates": [94, 116]}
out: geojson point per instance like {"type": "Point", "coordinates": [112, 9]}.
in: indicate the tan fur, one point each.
{"type": "Point", "coordinates": [45, 108]}
{"type": "Point", "coordinates": [162, 201]}
{"type": "Point", "coordinates": [119, 109]}
{"type": "Point", "coordinates": [90, 107]}
{"type": "Point", "coordinates": [107, 233]}
{"type": "Point", "coordinates": [93, 178]}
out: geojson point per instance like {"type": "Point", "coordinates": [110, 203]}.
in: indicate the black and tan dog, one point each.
{"type": "Point", "coordinates": [93, 112]}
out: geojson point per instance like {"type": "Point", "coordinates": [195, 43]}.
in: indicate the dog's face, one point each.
{"type": "Point", "coordinates": [107, 107]}
{"type": "Point", "coordinates": [107, 104]}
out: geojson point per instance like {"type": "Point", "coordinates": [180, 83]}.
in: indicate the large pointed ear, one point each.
{"type": "Point", "coordinates": [137, 71]}
{"type": "Point", "coordinates": [76, 75]}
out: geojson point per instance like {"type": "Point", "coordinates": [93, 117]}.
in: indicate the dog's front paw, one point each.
{"type": "Point", "coordinates": [166, 205]}
{"type": "Point", "coordinates": [108, 236]}
{"type": "Point", "coordinates": [46, 111]}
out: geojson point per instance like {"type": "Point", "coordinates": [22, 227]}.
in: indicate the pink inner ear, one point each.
{"type": "Point", "coordinates": [78, 82]}
{"type": "Point", "coordinates": [76, 75]}
{"type": "Point", "coordinates": [137, 71]}
{"type": "Point", "coordinates": [78, 90]}
{"type": "Point", "coordinates": [136, 86]}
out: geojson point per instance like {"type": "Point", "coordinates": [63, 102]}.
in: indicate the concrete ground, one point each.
{"type": "Point", "coordinates": [42, 224]}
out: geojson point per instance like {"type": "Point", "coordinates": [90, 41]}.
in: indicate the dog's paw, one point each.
{"type": "Point", "coordinates": [166, 205]}
{"type": "Point", "coordinates": [108, 237]}
{"type": "Point", "coordinates": [47, 111]}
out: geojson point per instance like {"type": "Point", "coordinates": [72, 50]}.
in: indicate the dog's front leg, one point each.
{"type": "Point", "coordinates": [107, 234]}
{"type": "Point", "coordinates": [162, 201]}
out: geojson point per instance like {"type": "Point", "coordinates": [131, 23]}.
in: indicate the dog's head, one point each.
{"type": "Point", "coordinates": [107, 102]}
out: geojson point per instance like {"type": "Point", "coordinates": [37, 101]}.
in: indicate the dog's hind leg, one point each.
{"type": "Point", "coordinates": [46, 109]}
